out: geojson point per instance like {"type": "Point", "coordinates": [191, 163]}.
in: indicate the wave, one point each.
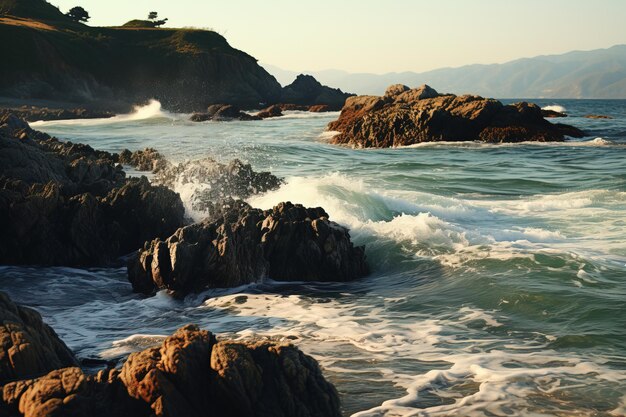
{"type": "Point", "coordinates": [596, 142]}
{"type": "Point", "coordinates": [555, 107]}
{"type": "Point", "coordinates": [152, 110]}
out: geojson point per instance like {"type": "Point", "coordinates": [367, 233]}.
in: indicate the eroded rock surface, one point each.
{"type": "Point", "coordinates": [405, 116]}
{"type": "Point", "coordinates": [241, 245]}
{"type": "Point", "coordinates": [190, 375]}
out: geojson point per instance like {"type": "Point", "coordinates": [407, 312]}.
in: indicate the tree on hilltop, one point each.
{"type": "Point", "coordinates": [153, 16]}
{"type": "Point", "coordinates": [78, 14]}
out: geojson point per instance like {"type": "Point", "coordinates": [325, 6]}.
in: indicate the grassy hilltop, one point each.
{"type": "Point", "coordinates": [47, 55]}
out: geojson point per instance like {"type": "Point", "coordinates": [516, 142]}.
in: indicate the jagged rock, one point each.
{"type": "Point", "coordinates": [271, 111]}
{"type": "Point", "coordinates": [219, 181]}
{"type": "Point", "coordinates": [597, 116]}
{"type": "Point", "coordinates": [222, 112]}
{"type": "Point", "coordinates": [243, 245]}
{"type": "Point", "coordinates": [404, 117]}
{"type": "Point", "coordinates": [148, 159]}
{"type": "Point", "coordinates": [28, 347]}
{"type": "Point", "coordinates": [190, 375]}
{"type": "Point", "coordinates": [320, 108]}
{"type": "Point", "coordinates": [306, 90]}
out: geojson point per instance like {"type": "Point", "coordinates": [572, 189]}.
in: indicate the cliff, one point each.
{"type": "Point", "coordinates": [47, 56]}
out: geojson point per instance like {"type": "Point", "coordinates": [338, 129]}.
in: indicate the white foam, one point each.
{"type": "Point", "coordinates": [555, 107]}
{"type": "Point", "coordinates": [152, 110]}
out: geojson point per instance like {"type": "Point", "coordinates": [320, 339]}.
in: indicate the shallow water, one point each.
{"type": "Point", "coordinates": [499, 271]}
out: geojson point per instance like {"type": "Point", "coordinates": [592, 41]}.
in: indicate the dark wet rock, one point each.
{"type": "Point", "coordinates": [28, 347]}
{"type": "Point", "coordinates": [33, 114]}
{"type": "Point", "coordinates": [68, 204]}
{"type": "Point", "coordinates": [243, 245]}
{"type": "Point", "coordinates": [552, 113]}
{"type": "Point", "coordinates": [148, 159]}
{"type": "Point", "coordinates": [320, 108]}
{"type": "Point", "coordinates": [191, 374]}
{"type": "Point", "coordinates": [222, 112]}
{"type": "Point", "coordinates": [408, 116]}
{"type": "Point", "coordinates": [597, 116]}
{"type": "Point", "coordinates": [293, 107]}
{"type": "Point", "coordinates": [271, 111]}
{"type": "Point", "coordinates": [219, 181]}
{"type": "Point", "coordinates": [306, 90]}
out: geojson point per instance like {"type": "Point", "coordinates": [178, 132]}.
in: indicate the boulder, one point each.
{"type": "Point", "coordinates": [597, 116]}
{"type": "Point", "coordinates": [191, 374]}
{"type": "Point", "coordinates": [148, 159]}
{"type": "Point", "coordinates": [28, 347]}
{"type": "Point", "coordinates": [222, 112]}
{"type": "Point", "coordinates": [241, 245]}
{"type": "Point", "coordinates": [552, 113]}
{"type": "Point", "coordinates": [320, 108]}
{"type": "Point", "coordinates": [408, 116]}
{"type": "Point", "coordinates": [271, 111]}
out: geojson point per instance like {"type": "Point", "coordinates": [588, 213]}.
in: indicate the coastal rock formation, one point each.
{"type": "Point", "coordinates": [185, 69]}
{"type": "Point", "coordinates": [597, 116]}
{"type": "Point", "coordinates": [405, 116]}
{"type": "Point", "coordinates": [241, 245]}
{"type": "Point", "coordinates": [306, 90]}
{"type": "Point", "coordinates": [28, 347]}
{"type": "Point", "coordinates": [68, 204]}
{"type": "Point", "coordinates": [190, 374]}
{"type": "Point", "coordinates": [271, 111]}
{"type": "Point", "coordinates": [222, 112]}
{"type": "Point", "coordinates": [148, 159]}
{"type": "Point", "coordinates": [552, 113]}
{"type": "Point", "coordinates": [33, 113]}
{"type": "Point", "coordinates": [217, 181]}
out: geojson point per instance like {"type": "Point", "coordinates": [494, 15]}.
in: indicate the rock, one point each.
{"type": "Point", "coordinates": [271, 111]}
{"type": "Point", "coordinates": [68, 204]}
{"type": "Point", "coordinates": [320, 108]}
{"type": "Point", "coordinates": [28, 347]}
{"type": "Point", "coordinates": [243, 245]}
{"type": "Point", "coordinates": [148, 159]}
{"type": "Point", "coordinates": [294, 107]}
{"type": "Point", "coordinates": [223, 112]}
{"type": "Point", "coordinates": [395, 90]}
{"type": "Point", "coordinates": [220, 181]}
{"type": "Point", "coordinates": [33, 113]}
{"type": "Point", "coordinates": [552, 113]}
{"type": "Point", "coordinates": [597, 116]}
{"type": "Point", "coordinates": [191, 374]}
{"type": "Point", "coordinates": [404, 117]}
{"type": "Point", "coordinates": [306, 90]}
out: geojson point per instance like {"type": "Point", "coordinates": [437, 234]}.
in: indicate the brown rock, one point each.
{"type": "Point", "coordinates": [271, 111]}
{"type": "Point", "coordinates": [320, 108]}
{"type": "Point", "coordinates": [404, 117]}
{"type": "Point", "coordinates": [148, 159]}
{"type": "Point", "coordinates": [28, 347]}
{"type": "Point", "coordinates": [597, 116]}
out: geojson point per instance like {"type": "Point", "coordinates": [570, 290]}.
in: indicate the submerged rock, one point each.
{"type": "Point", "coordinates": [190, 374]}
{"type": "Point", "coordinates": [597, 116]}
{"type": "Point", "coordinates": [28, 347]}
{"type": "Point", "coordinates": [552, 113]}
{"type": "Point", "coordinates": [242, 245]}
{"type": "Point", "coordinates": [405, 116]}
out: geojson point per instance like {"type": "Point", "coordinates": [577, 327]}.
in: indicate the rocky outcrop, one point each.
{"type": "Point", "coordinates": [271, 111]}
{"type": "Point", "coordinates": [191, 374]}
{"type": "Point", "coordinates": [405, 116]}
{"type": "Point", "coordinates": [597, 116]}
{"type": "Point", "coordinates": [218, 181]}
{"type": "Point", "coordinates": [306, 90]}
{"type": "Point", "coordinates": [241, 245]}
{"type": "Point", "coordinates": [33, 114]}
{"type": "Point", "coordinates": [68, 204]}
{"type": "Point", "coordinates": [185, 69]}
{"type": "Point", "coordinates": [222, 112]}
{"type": "Point", "coordinates": [28, 347]}
{"type": "Point", "coordinates": [148, 159]}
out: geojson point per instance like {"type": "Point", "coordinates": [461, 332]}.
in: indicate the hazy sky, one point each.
{"type": "Point", "coordinates": [385, 36]}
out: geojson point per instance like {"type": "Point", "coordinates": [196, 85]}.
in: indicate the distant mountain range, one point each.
{"type": "Point", "coordinates": [599, 73]}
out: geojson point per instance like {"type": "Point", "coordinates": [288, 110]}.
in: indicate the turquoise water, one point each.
{"type": "Point", "coordinates": [499, 272]}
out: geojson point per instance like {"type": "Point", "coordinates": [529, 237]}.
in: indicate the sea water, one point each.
{"type": "Point", "coordinates": [498, 282]}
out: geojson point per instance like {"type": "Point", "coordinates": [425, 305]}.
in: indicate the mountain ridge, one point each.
{"type": "Point", "coordinates": [598, 73]}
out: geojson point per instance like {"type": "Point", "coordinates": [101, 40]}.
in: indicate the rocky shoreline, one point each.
{"type": "Point", "coordinates": [405, 116]}
{"type": "Point", "coordinates": [191, 373]}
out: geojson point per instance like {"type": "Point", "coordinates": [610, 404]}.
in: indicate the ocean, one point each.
{"type": "Point", "coordinates": [498, 282]}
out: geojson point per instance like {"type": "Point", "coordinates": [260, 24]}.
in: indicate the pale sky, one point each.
{"type": "Point", "coordinates": [384, 36]}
